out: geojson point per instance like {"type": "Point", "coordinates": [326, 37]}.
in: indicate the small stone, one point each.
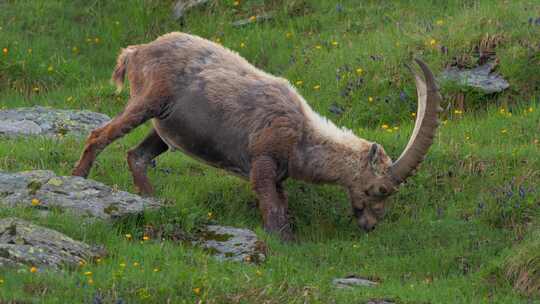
{"type": "Point", "coordinates": [252, 19]}
{"type": "Point", "coordinates": [181, 6]}
{"type": "Point", "coordinates": [336, 109]}
{"type": "Point", "coordinates": [352, 281]}
{"type": "Point", "coordinates": [229, 243]}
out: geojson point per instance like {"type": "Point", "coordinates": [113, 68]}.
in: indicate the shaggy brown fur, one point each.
{"type": "Point", "coordinates": [212, 104]}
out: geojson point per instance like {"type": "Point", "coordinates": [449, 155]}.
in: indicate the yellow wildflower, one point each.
{"type": "Point", "coordinates": [370, 99]}
{"type": "Point", "coordinates": [35, 202]}
{"type": "Point", "coordinates": [96, 40]}
{"type": "Point", "coordinates": [335, 43]}
{"type": "Point", "coordinates": [317, 87]}
{"type": "Point", "coordinates": [299, 82]}
{"type": "Point", "coordinates": [531, 109]}
{"type": "Point", "coordinates": [50, 69]}
{"type": "Point", "coordinates": [122, 265]}
{"type": "Point", "coordinates": [247, 259]}
{"type": "Point", "coordinates": [98, 260]}
{"type": "Point", "coordinates": [458, 112]}
{"type": "Point", "coordinates": [288, 35]}
{"type": "Point", "coordinates": [396, 128]}
{"type": "Point", "coordinates": [90, 282]}
{"type": "Point", "coordinates": [136, 264]}
{"type": "Point", "coordinates": [156, 269]}
{"type": "Point", "coordinates": [82, 263]}
{"type": "Point", "coordinates": [359, 71]}
{"type": "Point", "coordinates": [503, 131]}
{"type": "Point", "coordinates": [318, 47]}
{"type": "Point", "coordinates": [439, 22]}
{"type": "Point", "coordinates": [88, 273]}
{"type": "Point", "coordinates": [145, 238]}
{"type": "Point", "coordinates": [242, 45]}
{"type": "Point", "coordinates": [236, 3]}
{"type": "Point", "coordinates": [433, 42]}
{"type": "Point", "coordinates": [128, 236]}
{"type": "Point", "coordinates": [5, 51]}
{"type": "Point", "coordinates": [75, 49]}
{"type": "Point", "coordinates": [197, 290]}
{"type": "Point", "coordinates": [210, 215]}
{"type": "Point", "coordinates": [33, 269]}
{"type": "Point", "coordinates": [69, 99]}
{"type": "Point", "coordinates": [1, 281]}
{"type": "Point", "coordinates": [35, 89]}
{"type": "Point", "coordinates": [252, 18]}
{"type": "Point", "coordinates": [385, 126]}
{"type": "Point", "coordinates": [258, 272]}
{"type": "Point", "coordinates": [413, 114]}
{"type": "Point", "coordinates": [502, 110]}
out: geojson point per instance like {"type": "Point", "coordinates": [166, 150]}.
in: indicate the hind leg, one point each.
{"type": "Point", "coordinates": [134, 115]}
{"type": "Point", "coordinates": [139, 157]}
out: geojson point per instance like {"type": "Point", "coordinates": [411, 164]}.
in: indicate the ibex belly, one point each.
{"type": "Point", "coordinates": [193, 127]}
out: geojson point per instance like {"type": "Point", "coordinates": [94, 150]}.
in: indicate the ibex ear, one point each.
{"type": "Point", "coordinates": [374, 158]}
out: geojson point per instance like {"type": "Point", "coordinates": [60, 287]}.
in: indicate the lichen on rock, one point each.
{"type": "Point", "coordinates": [230, 243]}
{"type": "Point", "coordinates": [48, 121]}
{"type": "Point", "coordinates": [25, 244]}
{"type": "Point", "coordinates": [85, 197]}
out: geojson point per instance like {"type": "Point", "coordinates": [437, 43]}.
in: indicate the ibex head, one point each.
{"type": "Point", "coordinates": [381, 177]}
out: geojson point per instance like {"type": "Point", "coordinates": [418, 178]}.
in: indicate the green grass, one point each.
{"type": "Point", "coordinates": [453, 234]}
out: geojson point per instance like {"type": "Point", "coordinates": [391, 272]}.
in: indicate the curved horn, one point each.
{"type": "Point", "coordinates": [425, 126]}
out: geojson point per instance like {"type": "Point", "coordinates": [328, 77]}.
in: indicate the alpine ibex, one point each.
{"type": "Point", "coordinates": [210, 103]}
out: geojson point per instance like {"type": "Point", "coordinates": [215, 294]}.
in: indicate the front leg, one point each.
{"type": "Point", "coordinates": [272, 201]}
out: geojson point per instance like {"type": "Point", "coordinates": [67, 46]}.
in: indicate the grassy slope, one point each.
{"type": "Point", "coordinates": [445, 233]}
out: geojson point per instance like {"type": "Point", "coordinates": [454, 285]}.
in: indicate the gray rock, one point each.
{"type": "Point", "coordinates": [229, 243]}
{"type": "Point", "coordinates": [25, 244]}
{"type": "Point", "coordinates": [181, 6]}
{"type": "Point", "coordinates": [257, 18]}
{"type": "Point", "coordinates": [352, 281]}
{"type": "Point", "coordinates": [480, 78]}
{"type": "Point", "coordinates": [81, 196]}
{"type": "Point", "coordinates": [48, 121]}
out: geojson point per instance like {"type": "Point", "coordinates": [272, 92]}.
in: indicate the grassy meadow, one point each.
{"type": "Point", "coordinates": [465, 229]}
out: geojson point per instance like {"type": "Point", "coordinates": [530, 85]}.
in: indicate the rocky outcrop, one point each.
{"type": "Point", "coordinates": [481, 78]}
{"type": "Point", "coordinates": [48, 121]}
{"type": "Point", "coordinates": [25, 244]}
{"type": "Point", "coordinates": [44, 190]}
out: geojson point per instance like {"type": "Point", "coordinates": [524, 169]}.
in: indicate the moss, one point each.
{"type": "Point", "coordinates": [34, 186]}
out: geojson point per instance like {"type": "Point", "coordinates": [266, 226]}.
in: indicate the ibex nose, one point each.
{"type": "Point", "coordinates": [367, 222]}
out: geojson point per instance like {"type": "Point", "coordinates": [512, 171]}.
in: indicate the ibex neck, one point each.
{"type": "Point", "coordinates": [321, 161]}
